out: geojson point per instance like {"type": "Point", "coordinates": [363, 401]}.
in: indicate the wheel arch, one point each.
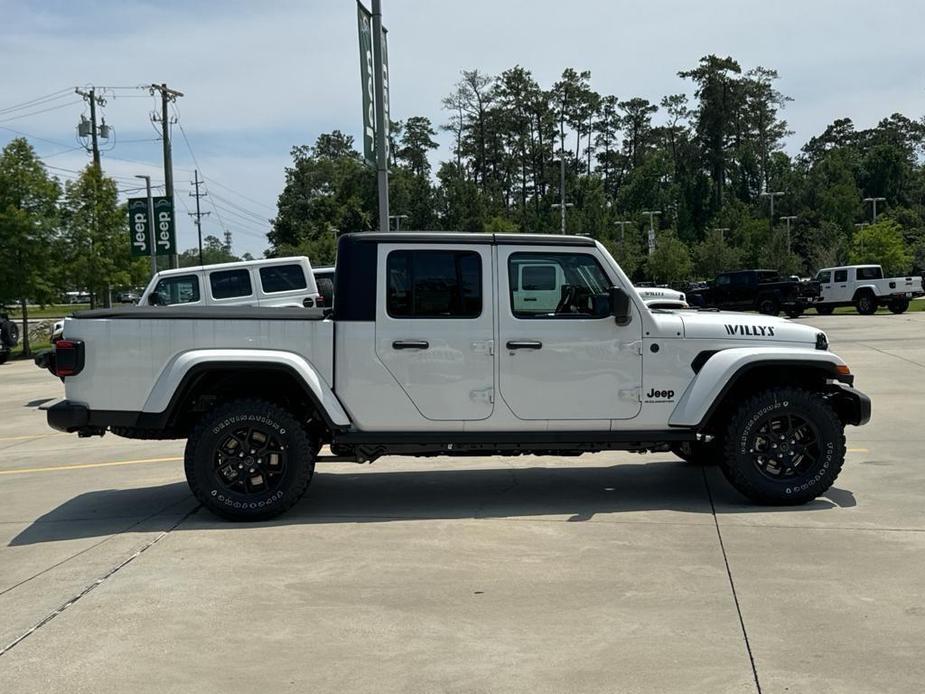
{"type": "Point", "coordinates": [863, 289]}
{"type": "Point", "coordinates": [281, 377]}
{"type": "Point", "coordinates": [730, 375]}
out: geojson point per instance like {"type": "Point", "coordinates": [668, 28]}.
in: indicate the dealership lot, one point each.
{"type": "Point", "coordinates": [609, 572]}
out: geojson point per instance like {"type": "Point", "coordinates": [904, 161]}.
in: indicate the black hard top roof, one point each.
{"type": "Point", "coordinates": [461, 237]}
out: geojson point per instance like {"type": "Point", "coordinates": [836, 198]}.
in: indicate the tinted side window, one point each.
{"type": "Point", "coordinates": [553, 285]}
{"type": "Point", "coordinates": [870, 273]}
{"type": "Point", "coordinates": [824, 276]}
{"type": "Point", "coordinates": [282, 278]}
{"type": "Point", "coordinates": [723, 280]}
{"type": "Point", "coordinates": [227, 284]}
{"type": "Point", "coordinates": [841, 275]}
{"type": "Point", "coordinates": [181, 289]}
{"type": "Point", "coordinates": [434, 284]}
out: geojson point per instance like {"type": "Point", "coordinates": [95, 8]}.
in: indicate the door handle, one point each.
{"type": "Point", "coordinates": [410, 344]}
{"type": "Point", "coordinates": [524, 344]}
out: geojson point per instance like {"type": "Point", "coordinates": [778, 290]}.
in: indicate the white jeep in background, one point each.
{"type": "Point", "coordinates": [445, 344]}
{"type": "Point", "coordinates": [270, 282]}
{"type": "Point", "coordinates": [865, 288]}
{"type": "Point", "coordinates": [662, 297]}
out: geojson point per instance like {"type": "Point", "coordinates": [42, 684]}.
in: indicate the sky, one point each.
{"type": "Point", "coordinates": [260, 77]}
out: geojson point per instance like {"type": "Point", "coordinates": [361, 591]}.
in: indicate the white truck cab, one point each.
{"type": "Point", "coordinates": [459, 344]}
{"type": "Point", "coordinates": [276, 282]}
{"type": "Point", "coordinates": [865, 288]}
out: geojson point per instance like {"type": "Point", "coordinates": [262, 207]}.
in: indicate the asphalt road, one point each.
{"type": "Point", "coordinates": [605, 573]}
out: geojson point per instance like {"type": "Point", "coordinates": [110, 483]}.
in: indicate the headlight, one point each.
{"type": "Point", "coordinates": [822, 342]}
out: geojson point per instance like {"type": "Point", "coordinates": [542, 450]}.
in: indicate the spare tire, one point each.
{"type": "Point", "coordinates": [9, 333]}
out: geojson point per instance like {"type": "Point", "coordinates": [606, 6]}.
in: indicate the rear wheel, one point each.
{"type": "Point", "coordinates": [825, 310]}
{"type": "Point", "coordinates": [769, 306]}
{"type": "Point", "coordinates": [784, 446]}
{"type": "Point", "coordinates": [898, 306]}
{"type": "Point", "coordinates": [866, 303]}
{"type": "Point", "coordinates": [249, 460]}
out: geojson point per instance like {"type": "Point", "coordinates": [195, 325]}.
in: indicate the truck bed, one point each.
{"type": "Point", "coordinates": [128, 350]}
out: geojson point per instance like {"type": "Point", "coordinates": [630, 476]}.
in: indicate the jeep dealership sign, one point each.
{"type": "Point", "coordinates": [140, 231]}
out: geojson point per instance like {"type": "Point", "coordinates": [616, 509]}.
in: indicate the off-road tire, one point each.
{"type": "Point", "coordinates": [794, 312]}
{"type": "Point", "coordinates": [898, 306]}
{"type": "Point", "coordinates": [866, 303]}
{"type": "Point", "coordinates": [206, 450]}
{"type": "Point", "coordinates": [769, 306]}
{"type": "Point", "coordinates": [9, 333]}
{"type": "Point", "coordinates": [699, 452]}
{"type": "Point", "coordinates": [740, 466]}
{"type": "Point", "coordinates": [825, 310]}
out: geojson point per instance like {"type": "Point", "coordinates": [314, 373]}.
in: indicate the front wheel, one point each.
{"type": "Point", "coordinates": [249, 460]}
{"type": "Point", "coordinates": [769, 306]}
{"type": "Point", "coordinates": [898, 306]}
{"type": "Point", "coordinates": [784, 446]}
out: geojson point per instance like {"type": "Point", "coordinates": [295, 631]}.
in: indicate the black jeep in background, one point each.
{"type": "Point", "coordinates": [764, 291]}
{"type": "Point", "coordinates": [9, 337]}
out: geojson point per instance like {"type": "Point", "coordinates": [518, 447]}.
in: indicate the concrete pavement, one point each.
{"type": "Point", "coordinates": [606, 573]}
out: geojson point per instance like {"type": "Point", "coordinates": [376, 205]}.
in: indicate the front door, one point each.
{"type": "Point", "coordinates": [561, 357]}
{"type": "Point", "coordinates": [434, 327]}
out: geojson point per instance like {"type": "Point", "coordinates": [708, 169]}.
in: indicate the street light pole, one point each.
{"type": "Point", "coordinates": [622, 224]}
{"type": "Point", "coordinates": [874, 201]}
{"type": "Point", "coordinates": [151, 245]}
{"type": "Point", "coordinates": [788, 219]}
{"type": "Point", "coordinates": [722, 232]}
{"type": "Point", "coordinates": [775, 194]}
{"type": "Point", "coordinates": [397, 218]}
{"type": "Point", "coordinates": [652, 214]}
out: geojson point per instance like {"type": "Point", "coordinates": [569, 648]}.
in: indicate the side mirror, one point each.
{"type": "Point", "coordinates": [620, 306]}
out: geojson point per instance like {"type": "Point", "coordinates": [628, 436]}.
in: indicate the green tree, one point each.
{"type": "Point", "coordinates": [214, 251]}
{"type": "Point", "coordinates": [670, 262]}
{"type": "Point", "coordinates": [95, 247]}
{"type": "Point", "coordinates": [714, 255]}
{"type": "Point", "coordinates": [882, 244]}
{"type": "Point", "coordinates": [28, 225]}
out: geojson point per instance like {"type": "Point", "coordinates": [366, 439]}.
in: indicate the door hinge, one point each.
{"type": "Point", "coordinates": [483, 395]}
{"type": "Point", "coordinates": [631, 394]}
{"type": "Point", "coordinates": [484, 347]}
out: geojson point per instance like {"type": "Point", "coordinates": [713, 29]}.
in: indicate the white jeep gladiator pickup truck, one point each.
{"type": "Point", "coordinates": [453, 344]}
{"type": "Point", "coordinates": [865, 288]}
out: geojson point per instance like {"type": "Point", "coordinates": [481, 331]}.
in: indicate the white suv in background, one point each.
{"type": "Point", "coordinates": [274, 282]}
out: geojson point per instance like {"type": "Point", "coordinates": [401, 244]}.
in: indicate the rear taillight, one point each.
{"type": "Point", "coordinates": [68, 357]}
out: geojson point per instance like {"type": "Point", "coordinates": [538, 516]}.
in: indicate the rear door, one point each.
{"type": "Point", "coordinates": [234, 287]}
{"type": "Point", "coordinates": [434, 327]}
{"type": "Point", "coordinates": [569, 360]}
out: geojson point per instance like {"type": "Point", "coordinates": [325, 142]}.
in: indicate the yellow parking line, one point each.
{"type": "Point", "coordinates": [32, 436]}
{"type": "Point", "coordinates": [58, 468]}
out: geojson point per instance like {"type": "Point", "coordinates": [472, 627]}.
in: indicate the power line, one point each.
{"type": "Point", "coordinates": [240, 195]}
{"type": "Point", "coordinates": [250, 213]}
{"type": "Point", "coordinates": [54, 96]}
{"type": "Point", "coordinates": [44, 110]}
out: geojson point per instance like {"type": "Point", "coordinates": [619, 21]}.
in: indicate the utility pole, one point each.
{"type": "Point", "coordinates": [722, 232]}
{"type": "Point", "coordinates": [382, 128]}
{"type": "Point", "coordinates": [197, 214]}
{"type": "Point", "coordinates": [652, 214]}
{"type": "Point", "coordinates": [874, 201]}
{"type": "Point", "coordinates": [789, 219]}
{"type": "Point", "coordinates": [773, 195]}
{"type": "Point", "coordinates": [622, 224]}
{"type": "Point", "coordinates": [94, 130]}
{"type": "Point", "coordinates": [167, 96]}
{"type": "Point", "coordinates": [150, 223]}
